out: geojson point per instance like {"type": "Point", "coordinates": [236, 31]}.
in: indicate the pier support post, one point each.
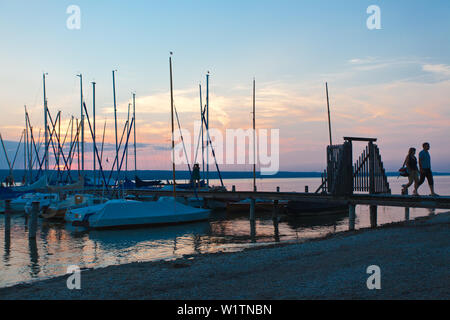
{"type": "Point", "coordinates": [406, 208]}
{"type": "Point", "coordinates": [373, 216]}
{"type": "Point", "coordinates": [32, 228]}
{"type": "Point", "coordinates": [275, 220]}
{"type": "Point", "coordinates": [7, 216]}
{"type": "Point", "coordinates": [252, 219]}
{"type": "Point", "coordinates": [233, 189]}
{"type": "Point", "coordinates": [278, 189]}
{"type": "Point", "coordinates": [351, 216]}
{"type": "Point", "coordinates": [252, 209]}
{"type": "Point", "coordinates": [306, 189]}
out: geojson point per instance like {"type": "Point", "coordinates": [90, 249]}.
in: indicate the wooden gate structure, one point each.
{"type": "Point", "coordinates": [344, 177]}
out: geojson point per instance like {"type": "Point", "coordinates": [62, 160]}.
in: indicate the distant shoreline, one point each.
{"type": "Point", "coordinates": [226, 175]}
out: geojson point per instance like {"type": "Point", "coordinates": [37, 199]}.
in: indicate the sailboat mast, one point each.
{"type": "Point", "coordinates": [134, 117]}
{"type": "Point", "coordinates": [207, 126]}
{"type": "Point", "coordinates": [173, 142]}
{"type": "Point", "coordinates": [126, 150]}
{"type": "Point", "coordinates": [45, 127]}
{"type": "Point", "coordinates": [29, 145]}
{"type": "Point", "coordinates": [78, 146]}
{"type": "Point", "coordinates": [58, 140]}
{"type": "Point", "coordinates": [203, 139]}
{"type": "Point", "coordinates": [94, 136]}
{"type": "Point", "coordinates": [254, 135]}
{"type": "Point", "coordinates": [82, 123]}
{"type": "Point", "coordinates": [329, 117]}
{"type": "Point", "coordinates": [115, 118]}
{"type": "Point", "coordinates": [25, 148]}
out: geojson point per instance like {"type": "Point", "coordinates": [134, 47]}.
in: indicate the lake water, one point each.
{"type": "Point", "coordinates": [58, 245]}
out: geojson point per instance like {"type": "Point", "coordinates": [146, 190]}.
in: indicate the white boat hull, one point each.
{"type": "Point", "coordinates": [122, 213]}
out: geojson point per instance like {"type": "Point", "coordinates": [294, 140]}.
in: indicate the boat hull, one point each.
{"type": "Point", "coordinates": [133, 213]}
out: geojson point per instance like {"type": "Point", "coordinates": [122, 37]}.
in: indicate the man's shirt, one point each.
{"type": "Point", "coordinates": [425, 159]}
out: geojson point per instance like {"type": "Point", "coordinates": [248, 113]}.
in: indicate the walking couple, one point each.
{"type": "Point", "coordinates": [413, 170]}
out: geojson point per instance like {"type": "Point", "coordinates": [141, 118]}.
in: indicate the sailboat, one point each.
{"type": "Point", "coordinates": [127, 213]}
{"type": "Point", "coordinates": [57, 210]}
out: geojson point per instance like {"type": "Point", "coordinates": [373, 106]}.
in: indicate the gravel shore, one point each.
{"type": "Point", "coordinates": [414, 258]}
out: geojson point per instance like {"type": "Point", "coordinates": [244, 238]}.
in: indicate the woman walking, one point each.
{"type": "Point", "coordinates": [413, 171]}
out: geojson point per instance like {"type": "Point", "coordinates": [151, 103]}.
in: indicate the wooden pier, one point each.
{"type": "Point", "coordinates": [353, 200]}
{"type": "Point", "coordinates": [363, 182]}
{"type": "Point", "coordinates": [388, 200]}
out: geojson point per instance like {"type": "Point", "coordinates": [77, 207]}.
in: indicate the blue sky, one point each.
{"type": "Point", "coordinates": [291, 47]}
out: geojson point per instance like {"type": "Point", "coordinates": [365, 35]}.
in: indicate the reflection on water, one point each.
{"type": "Point", "coordinates": [58, 246]}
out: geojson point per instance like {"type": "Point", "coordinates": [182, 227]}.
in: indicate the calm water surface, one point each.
{"type": "Point", "coordinates": [58, 245]}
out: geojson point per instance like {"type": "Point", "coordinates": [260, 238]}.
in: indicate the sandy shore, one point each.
{"type": "Point", "coordinates": [414, 260]}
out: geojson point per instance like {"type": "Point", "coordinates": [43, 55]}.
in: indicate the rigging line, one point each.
{"type": "Point", "coordinates": [213, 152]}
{"type": "Point", "coordinates": [6, 154]}
{"type": "Point", "coordinates": [103, 141]}
{"type": "Point", "coordinates": [95, 147]}
{"type": "Point", "coordinates": [124, 151]}
{"type": "Point", "coordinates": [116, 160]}
{"type": "Point", "coordinates": [58, 118]}
{"type": "Point", "coordinates": [73, 146]}
{"type": "Point", "coordinates": [17, 151]}
{"type": "Point", "coordinates": [182, 140]}
{"type": "Point", "coordinates": [38, 147]}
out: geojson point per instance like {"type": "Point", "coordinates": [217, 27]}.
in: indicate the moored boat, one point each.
{"type": "Point", "coordinates": [128, 213]}
{"type": "Point", "coordinates": [57, 211]}
{"type": "Point", "coordinates": [44, 200]}
{"type": "Point", "coordinates": [18, 204]}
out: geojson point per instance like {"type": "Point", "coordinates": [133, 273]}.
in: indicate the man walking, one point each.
{"type": "Point", "coordinates": [425, 168]}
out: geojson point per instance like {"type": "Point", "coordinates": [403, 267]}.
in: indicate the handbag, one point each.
{"type": "Point", "coordinates": [403, 172]}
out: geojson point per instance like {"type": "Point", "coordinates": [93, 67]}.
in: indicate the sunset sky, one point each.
{"type": "Point", "coordinates": [392, 83]}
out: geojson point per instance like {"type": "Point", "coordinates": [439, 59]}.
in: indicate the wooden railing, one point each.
{"type": "Point", "coordinates": [343, 177]}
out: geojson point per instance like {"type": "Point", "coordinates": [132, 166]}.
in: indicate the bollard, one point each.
{"type": "Point", "coordinates": [373, 216]}
{"type": "Point", "coordinates": [306, 189]}
{"type": "Point", "coordinates": [406, 208]}
{"type": "Point", "coordinates": [32, 228]}
{"type": "Point", "coordinates": [278, 189]}
{"type": "Point", "coordinates": [7, 216]}
{"type": "Point", "coordinates": [351, 216]}
{"type": "Point", "coordinates": [233, 189]}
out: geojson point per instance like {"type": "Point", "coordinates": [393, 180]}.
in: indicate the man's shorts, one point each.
{"type": "Point", "coordinates": [426, 173]}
